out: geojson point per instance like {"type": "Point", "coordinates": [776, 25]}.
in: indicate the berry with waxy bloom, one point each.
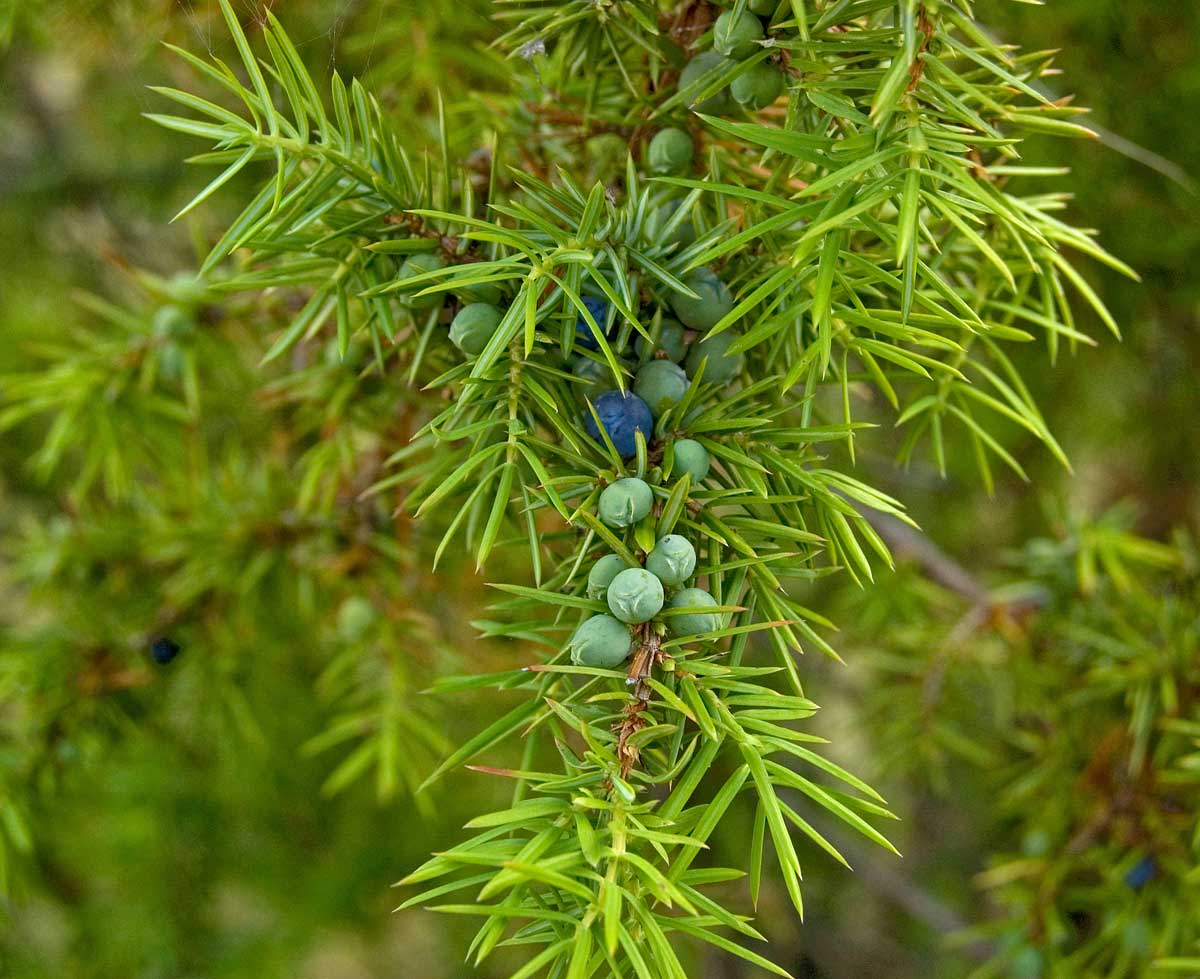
{"type": "Point", "coordinates": [623, 415]}
{"type": "Point", "coordinates": [635, 596]}
{"type": "Point", "coordinates": [583, 332]}
{"type": "Point", "coordinates": [474, 326]}
{"type": "Point", "coordinates": [672, 340]}
{"type": "Point", "coordinates": [625, 502]}
{"type": "Point", "coordinates": [697, 623]}
{"type": "Point", "coordinates": [672, 561]}
{"type": "Point", "coordinates": [713, 300]}
{"type": "Point", "coordinates": [419, 264]}
{"type": "Point", "coordinates": [692, 458]}
{"type": "Point", "coordinates": [660, 384]}
{"type": "Point", "coordinates": [600, 641]}
{"type": "Point", "coordinates": [757, 87]}
{"type": "Point", "coordinates": [719, 366]}
{"type": "Point", "coordinates": [696, 69]}
{"type": "Point", "coordinates": [734, 34]}
{"type": "Point", "coordinates": [671, 151]}
{"type": "Point", "coordinates": [602, 574]}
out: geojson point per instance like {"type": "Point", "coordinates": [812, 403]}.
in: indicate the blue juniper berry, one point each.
{"type": "Point", "coordinates": [163, 649]}
{"type": "Point", "coordinates": [623, 415]}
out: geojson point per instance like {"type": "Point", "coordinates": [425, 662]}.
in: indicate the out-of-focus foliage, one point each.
{"type": "Point", "coordinates": [189, 820]}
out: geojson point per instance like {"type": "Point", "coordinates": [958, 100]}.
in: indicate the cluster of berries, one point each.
{"type": "Point", "coordinates": [677, 353]}
{"type": "Point", "coordinates": [736, 36]}
{"type": "Point", "coordinates": [636, 595]}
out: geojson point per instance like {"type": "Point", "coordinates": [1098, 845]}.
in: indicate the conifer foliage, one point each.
{"type": "Point", "coordinates": [614, 335]}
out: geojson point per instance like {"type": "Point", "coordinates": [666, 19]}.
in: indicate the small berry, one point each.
{"type": "Point", "coordinates": [419, 264]}
{"type": "Point", "coordinates": [164, 649]}
{"type": "Point", "coordinates": [661, 384]}
{"type": "Point", "coordinates": [583, 332]}
{"type": "Point", "coordinates": [734, 35]}
{"type": "Point", "coordinates": [683, 234]}
{"type": "Point", "coordinates": [672, 340]}
{"type": "Point", "coordinates": [712, 303]}
{"type": "Point", "coordinates": [697, 68]}
{"type": "Point", "coordinates": [600, 641]}
{"type": "Point", "coordinates": [625, 502]}
{"type": "Point", "coordinates": [172, 322]}
{"type": "Point", "coordinates": [672, 561]}
{"type": "Point", "coordinates": [719, 367]}
{"type": "Point", "coordinates": [355, 616]}
{"type": "Point", "coordinates": [692, 458]}
{"type": "Point", "coordinates": [635, 596]}
{"type": "Point", "coordinates": [758, 87]}
{"type": "Point", "coordinates": [474, 326]}
{"type": "Point", "coordinates": [602, 574]}
{"type": "Point", "coordinates": [590, 371]}
{"type": "Point", "coordinates": [1141, 873]}
{"type": "Point", "coordinates": [671, 151]}
{"type": "Point", "coordinates": [693, 623]}
{"type": "Point", "coordinates": [623, 415]}
{"type": "Point", "coordinates": [762, 7]}
{"type": "Point", "coordinates": [480, 292]}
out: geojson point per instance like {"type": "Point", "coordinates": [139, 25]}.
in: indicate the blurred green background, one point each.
{"type": "Point", "coordinates": [180, 848]}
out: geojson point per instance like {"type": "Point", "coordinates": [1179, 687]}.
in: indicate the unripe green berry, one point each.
{"type": "Point", "coordinates": [600, 641]}
{"type": "Point", "coordinates": [171, 322]}
{"type": "Point", "coordinates": [692, 72]}
{"type": "Point", "coordinates": [635, 596]}
{"type": "Point", "coordinates": [693, 623]}
{"type": "Point", "coordinates": [672, 340]}
{"type": "Point", "coordinates": [660, 384]}
{"type": "Point", "coordinates": [355, 616]}
{"type": "Point", "coordinates": [762, 7]}
{"type": "Point", "coordinates": [758, 87]}
{"type": "Point", "coordinates": [625, 502]}
{"type": "Point", "coordinates": [591, 371]}
{"type": "Point", "coordinates": [418, 264]}
{"type": "Point", "coordinates": [713, 302]}
{"type": "Point", "coordinates": [682, 234]}
{"type": "Point", "coordinates": [480, 292]}
{"type": "Point", "coordinates": [672, 561]}
{"type": "Point", "coordinates": [188, 289]}
{"type": "Point", "coordinates": [474, 326]}
{"type": "Point", "coordinates": [602, 574]}
{"type": "Point", "coordinates": [671, 151]}
{"type": "Point", "coordinates": [692, 458]}
{"type": "Point", "coordinates": [720, 366]}
{"type": "Point", "coordinates": [734, 35]}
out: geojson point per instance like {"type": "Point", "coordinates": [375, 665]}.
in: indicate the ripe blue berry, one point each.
{"type": "Point", "coordinates": [1141, 873]}
{"type": "Point", "coordinates": [692, 458]}
{"type": "Point", "coordinates": [693, 623]}
{"type": "Point", "coordinates": [583, 333]}
{"type": "Point", "coordinates": [635, 596]}
{"type": "Point", "coordinates": [164, 649]}
{"type": "Point", "coordinates": [600, 641]}
{"type": "Point", "coordinates": [623, 415]}
{"type": "Point", "coordinates": [625, 502]}
{"type": "Point", "coordinates": [602, 574]}
{"type": "Point", "coordinates": [660, 384]}
{"type": "Point", "coordinates": [672, 561]}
